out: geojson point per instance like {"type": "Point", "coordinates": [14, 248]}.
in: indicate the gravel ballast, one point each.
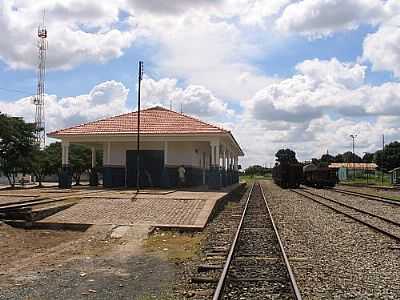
{"type": "Point", "coordinates": [332, 256]}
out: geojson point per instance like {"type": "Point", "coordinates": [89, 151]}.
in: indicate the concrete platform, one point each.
{"type": "Point", "coordinates": [181, 209]}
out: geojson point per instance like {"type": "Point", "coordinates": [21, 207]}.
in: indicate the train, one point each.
{"type": "Point", "coordinates": [288, 175]}
{"type": "Point", "coordinates": [319, 176]}
{"type": "Point", "coordinates": [292, 175]}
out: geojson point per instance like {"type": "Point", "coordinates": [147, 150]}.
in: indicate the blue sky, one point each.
{"type": "Point", "coordinates": [304, 74]}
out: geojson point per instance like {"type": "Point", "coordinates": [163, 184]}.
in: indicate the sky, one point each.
{"type": "Point", "coordinates": [299, 74]}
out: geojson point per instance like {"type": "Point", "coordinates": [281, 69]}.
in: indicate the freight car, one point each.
{"type": "Point", "coordinates": [319, 176]}
{"type": "Point", "coordinates": [287, 175]}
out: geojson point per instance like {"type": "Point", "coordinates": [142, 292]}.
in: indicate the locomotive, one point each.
{"type": "Point", "coordinates": [291, 175]}
{"type": "Point", "coordinates": [288, 175]}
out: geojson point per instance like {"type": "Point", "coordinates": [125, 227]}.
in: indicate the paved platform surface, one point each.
{"type": "Point", "coordinates": [178, 209]}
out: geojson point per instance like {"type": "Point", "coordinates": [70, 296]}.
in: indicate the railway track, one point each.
{"type": "Point", "coordinates": [367, 196]}
{"type": "Point", "coordinates": [257, 266]}
{"type": "Point", "coordinates": [379, 223]}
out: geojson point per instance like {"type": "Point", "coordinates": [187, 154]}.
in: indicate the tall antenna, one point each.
{"type": "Point", "coordinates": [39, 99]}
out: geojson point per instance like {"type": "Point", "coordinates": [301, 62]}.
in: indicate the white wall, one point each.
{"type": "Point", "coordinates": [118, 150]}
{"type": "Point", "coordinates": [179, 153]}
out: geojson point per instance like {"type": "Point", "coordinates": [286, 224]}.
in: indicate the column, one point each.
{"type": "Point", "coordinates": [165, 153]}
{"type": "Point", "coordinates": [65, 153]}
{"type": "Point", "coordinates": [93, 157]}
{"type": "Point", "coordinates": [65, 176]}
{"type": "Point", "coordinates": [215, 172]}
{"type": "Point", "coordinates": [224, 157]}
{"type": "Point", "coordinates": [93, 178]}
{"type": "Point", "coordinates": [107, 169]}
{"type": "Point", "coordinates": [109, 153]}
{"type": "Point", "coordinates": [217, 155]}
{"type": "Point", "coordinates": [165, 180]}
{"type": "Point", "coordinates": [235, 167]}
{"type": "Point", "coordinates": [224, 167]}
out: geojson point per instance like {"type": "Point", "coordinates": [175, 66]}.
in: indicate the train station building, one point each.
{"type": "Point", "coordinates": [168, 140]}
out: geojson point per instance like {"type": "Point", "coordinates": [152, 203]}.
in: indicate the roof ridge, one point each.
{"type": "Point", "coordinates": [198, 120]}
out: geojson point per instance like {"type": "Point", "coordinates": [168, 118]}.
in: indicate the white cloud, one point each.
{"type": "Point", "coordinates": [317, 18]}
{"type": "Point", "coordinates": [316, 110]}
{"type": "Point", "coordinates": [171, 7]}
{"type": "Point", "coordinates": [206, 51]}
{"type": "Point", "coordinates": [77, 32]}
{"type": "Point", "coordinates": [109, 98]}
{"type": "Point", "coordinates": [195, 99]}
{"type": "Point", "coordinates": [105, 99]}
{"type": "Point", "coordinates": [382, 48]}
{"type": "Point", "coordinates": [320, 85]}
{"type": "Point", "coordinates": [334, 72]}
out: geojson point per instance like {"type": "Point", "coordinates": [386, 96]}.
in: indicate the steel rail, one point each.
{"type": "Point", "coordinates": [355, 208]}
{"type": "Point", "coordinates": [383, 231]}
{"type": "Point", "coordinates": [222, 279]}
{"type": "Point", "coordinates": [368, 196]}
{"type": "Point", "coordinates": [293, 282]}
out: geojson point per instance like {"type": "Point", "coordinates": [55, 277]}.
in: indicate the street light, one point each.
{"type": "Point", "coordinates": [353, 136]}
{"type": "Point", "coordinates": [366, 167]}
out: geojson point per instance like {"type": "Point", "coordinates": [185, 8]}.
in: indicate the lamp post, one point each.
{"type": "Point", "coordinates": [353, 136]}
{"type": "Point", "coordinates": [366, 168]}
{"type": "Point", "coordinates": [140, 77]}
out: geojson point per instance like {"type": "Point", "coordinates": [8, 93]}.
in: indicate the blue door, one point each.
{"type": "Point", "coordinates": [151, 167]}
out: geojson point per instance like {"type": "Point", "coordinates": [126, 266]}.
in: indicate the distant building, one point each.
{"type": "Point", "coordinates": [168, 140]}
{"type": "Point", "coordinates": [395, 176]}
{"type": "Point", "coordinates": [346, 169]}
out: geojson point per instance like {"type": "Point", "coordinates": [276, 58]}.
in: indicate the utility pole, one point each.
{"type": "Point", "coordinates": [383, 156]}
{"type": "Point", "coordinates": [140, 77]}
{"type": "Point", "coordinates": [353, 136]}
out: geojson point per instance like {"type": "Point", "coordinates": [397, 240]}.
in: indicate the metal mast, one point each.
{"type": "Point", "coordinates": [140, 77]}
{"type": "Point", "coordinates": [39, 99]}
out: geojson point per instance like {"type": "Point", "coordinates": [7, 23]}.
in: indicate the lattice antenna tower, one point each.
{"type": "Point", "coordinates": [39, 100]}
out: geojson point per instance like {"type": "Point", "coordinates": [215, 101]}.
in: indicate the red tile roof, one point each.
{"type": "Point", "coordinates": [155, 120]}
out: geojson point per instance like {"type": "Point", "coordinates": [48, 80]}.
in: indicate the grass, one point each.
{"type": "Point", "coordinates": [247, 178]}
{"type": "Point", "coordinates": [372, 180]}
{"type": "Point", "coordinates": [175, 246]}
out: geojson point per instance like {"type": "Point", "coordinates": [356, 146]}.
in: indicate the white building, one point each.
{"type": "Point", "coordinates": [168, 140]}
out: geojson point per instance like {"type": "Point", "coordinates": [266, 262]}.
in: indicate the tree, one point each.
{"type": "Point", "coordinates": [348, 157]}
{"type": "Point", "coordinates": [389, 158]}
{"type": "Point", "coordinates": [257, 170]}
{"type": "Point", "coordinates": [80, 158]}
{"type": "Point", "coordinates": [41, 165]}
{"type": "Point", "coordinates": [327, 158]}
{"type": "Point", "coordinates": [286, 155]}
{"type": "Point", "coordinates": [368, 157]}
{"type": "Point", "coordinates": [339, 158]}
{"type": "Point", "coordinates": [17, 142]}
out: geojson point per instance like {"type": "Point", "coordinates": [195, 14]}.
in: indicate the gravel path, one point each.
{"type": "Point", "coordinates": [332, 256]}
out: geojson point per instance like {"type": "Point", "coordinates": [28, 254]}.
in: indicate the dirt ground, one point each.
{"type": "Point", "coordinates": [101, 263]}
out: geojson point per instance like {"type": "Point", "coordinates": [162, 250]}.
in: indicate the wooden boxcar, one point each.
{"type": "Point", "coordinates": [319, 176]}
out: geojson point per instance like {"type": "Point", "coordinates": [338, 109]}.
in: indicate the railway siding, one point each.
{"type": "Point", "coordinates": [332, 256]}
{"type": "Point", "coordinates": [376, 222]}
{"type": "Point", "coordinates": [391, 211]}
